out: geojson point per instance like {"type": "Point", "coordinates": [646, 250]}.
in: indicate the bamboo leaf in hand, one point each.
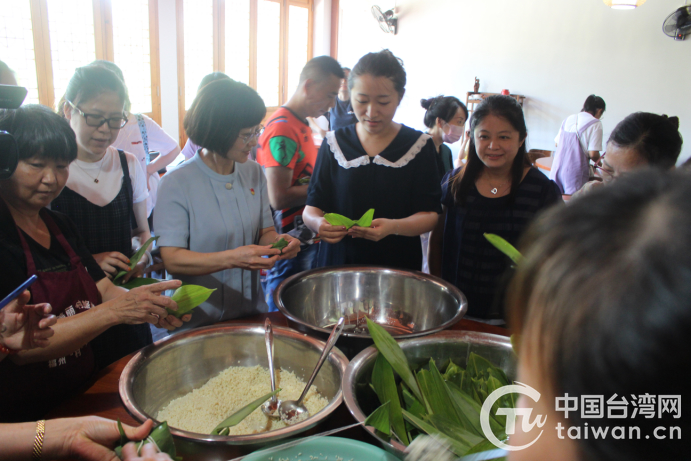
{"type": "Point", "coordinates": [379, 419]}
{"type": "Point", "coordinates": [505, 247]}
{"type": "Point", "coordinates": [188, 297]}
{"type": "Point", "coordinates": [134, 260]}
{"type": "Point", "coordinates": [336, 219]}
{"type": "Point", "coordinates": [393, 353]}
{"type": "Point", "coordinates": [366, 219]}
{"type": "Point", "coordinates": [281, 244]}
{"type": "Point", "coordinates": [237, 417]}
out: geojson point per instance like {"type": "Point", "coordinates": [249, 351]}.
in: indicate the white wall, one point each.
{"type": "Point", "coordinates": [555, 52]}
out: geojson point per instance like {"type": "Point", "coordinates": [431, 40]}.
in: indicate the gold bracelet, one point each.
{"type": "Point", "coordinates": [38, 441]}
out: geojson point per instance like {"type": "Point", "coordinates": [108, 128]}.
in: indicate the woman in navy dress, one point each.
{"type": "Point", "coordinates": [498, 192]}
{"type": "Point", "coordinates": [376, 163]}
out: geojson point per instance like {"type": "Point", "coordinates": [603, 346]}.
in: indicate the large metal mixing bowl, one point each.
{"type": "Point", "coordinates": [180, 363]}
{"type": "Point", "coordinates": [407, 303]}
{"type": "Point", "coordinates": [442, 347]}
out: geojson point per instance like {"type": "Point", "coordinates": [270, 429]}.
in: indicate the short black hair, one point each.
{"type": "Point", "coordinates": [655, 137]}
{"type": "Point", "coordinates": [320, 68]}
{"type": "Point", "coordinates": [592, 104]}
{"type": "Point", "coordinates": [218, 113]}
{"type": "Point", "coordinates": [89, 82]}
{"type": "Point", "coordinates": [601, 304]}
{"type": "Point", "coordinates": [380, 64]}
{"type": "Point", "coordinates": [212, 77]}
{"type": "Point", "coordinates": [40, 132]}
{"type": "Point", "coordinates": [443, 107]}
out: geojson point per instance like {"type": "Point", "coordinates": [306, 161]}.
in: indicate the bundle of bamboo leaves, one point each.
{"type": "Point", "coordinates": [446, 405]}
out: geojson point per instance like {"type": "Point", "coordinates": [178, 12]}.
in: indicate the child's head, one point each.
{"type": "Point", "coordinates": [602, 306]}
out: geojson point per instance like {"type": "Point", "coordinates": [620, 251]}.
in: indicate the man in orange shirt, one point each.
{"type": "Point", "coordinates": [288, 155]}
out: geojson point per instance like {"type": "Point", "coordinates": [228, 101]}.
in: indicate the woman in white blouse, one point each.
{"type": "Point", "coordinates": [105, 194]}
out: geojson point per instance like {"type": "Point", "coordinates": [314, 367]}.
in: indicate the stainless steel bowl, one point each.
{"type": "Point", "coordinates": [180, 363]}
{"type": "Point", "coordinates": [407, 303]}
{"type": "Point", "coordinates": [442, 347]}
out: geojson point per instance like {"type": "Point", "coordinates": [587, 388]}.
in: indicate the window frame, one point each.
{"type": "Point", "coordinates": [218, 8]}
{"type": "Point", "coordinates": [103, 38]}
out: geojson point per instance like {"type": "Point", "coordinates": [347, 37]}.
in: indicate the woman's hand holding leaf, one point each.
{"type": "Point", "coordinates": [144, 304]}
{"type": "Point", "coordinates": [331, 233]}
{"type": "Point", "coordinates": [292, 249]}
{"type": "Point", "coordinates": [380, 228]}
{"type": "Point", "coordinates": [112, 263]}
{"type": "Point", "coordinates": [252, 257]}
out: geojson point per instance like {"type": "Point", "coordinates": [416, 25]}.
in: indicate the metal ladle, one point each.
{"type": "Point", "coordinates": [270, 407]}
{"type": "Point", "coordinates": [293, 411]}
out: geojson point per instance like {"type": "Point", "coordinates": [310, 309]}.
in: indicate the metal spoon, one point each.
{"type": "Point", "coordinates": [292, 411]}
{"type": "Point", "coordinates": [270, 408]}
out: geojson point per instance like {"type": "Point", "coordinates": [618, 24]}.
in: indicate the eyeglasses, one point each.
{"type": "Point", "coordinates": [248, 137]}
{"type": "Point", "coordinates": [604, 173]}
{"type": "Point", "coordinates": [96, 120]}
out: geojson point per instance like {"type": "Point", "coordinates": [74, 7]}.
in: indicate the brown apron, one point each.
{"type": "Point", "coordinates": [30, 391]}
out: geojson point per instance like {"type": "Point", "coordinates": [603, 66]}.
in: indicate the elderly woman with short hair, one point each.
{"type": "Point", "coordinates": [213, 215]}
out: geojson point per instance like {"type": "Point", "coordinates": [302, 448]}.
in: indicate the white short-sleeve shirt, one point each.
{"type": "Point", "coordinates": [591, 139]}
{"type": "Point", "coordinates": [108, 171]}
{"type": "Point", "coordinates": [130, 139]}
{"type": "Point", "coordinates": [206, 212]}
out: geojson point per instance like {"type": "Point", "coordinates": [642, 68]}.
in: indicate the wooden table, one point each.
{"type": "Point", "coordinates": [101, 396]}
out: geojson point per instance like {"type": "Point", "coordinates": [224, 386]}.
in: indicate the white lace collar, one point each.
{"type": "Point", "coordinates": [379, 160]}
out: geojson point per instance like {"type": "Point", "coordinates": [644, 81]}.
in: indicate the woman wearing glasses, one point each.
{"type": "Point", "coordinates": [213, 215]}
{"type": "Point", "coordinates": [105, 194]}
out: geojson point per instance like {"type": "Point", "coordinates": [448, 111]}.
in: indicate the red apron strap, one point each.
{"type": "Point", "coordinates": [57, 233]}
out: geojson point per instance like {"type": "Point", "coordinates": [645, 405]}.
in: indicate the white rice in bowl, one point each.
{"type": "Point", "coordinates": [203, 409]}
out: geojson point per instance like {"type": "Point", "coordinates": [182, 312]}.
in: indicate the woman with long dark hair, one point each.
{"type": "Point", "coordinates": [497, 191]}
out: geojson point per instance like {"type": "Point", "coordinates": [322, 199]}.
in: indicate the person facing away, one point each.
{"type": "Point", "coordinates": [288, 155]}
{"type": "Point", "coordinates": [601, 308]}
{"type": "Point", "coordinates": [579, 140]}
{"type": "Point", "coordinates": [190, 147]}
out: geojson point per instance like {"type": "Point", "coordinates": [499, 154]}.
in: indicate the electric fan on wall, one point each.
{"type": "Point", "coordinates": [678, 24]}
{"type": "Point", "coordinates": [386, 20]}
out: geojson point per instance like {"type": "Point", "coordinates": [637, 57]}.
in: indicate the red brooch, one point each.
{"type": "Point", "coordinates": [252, 190]}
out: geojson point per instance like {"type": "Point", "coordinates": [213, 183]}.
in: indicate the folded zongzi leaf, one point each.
{"type": "Point", "coordinates": [188, 297]}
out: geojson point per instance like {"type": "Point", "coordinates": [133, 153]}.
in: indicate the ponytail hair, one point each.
{"type": "Point", "coordinates": [592, 104]}
{"type": "Point", "coordinates": [655, 137]}
{"type": "Point", "coordinates": [443, 107]}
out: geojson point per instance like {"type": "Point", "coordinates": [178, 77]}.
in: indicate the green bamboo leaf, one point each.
{"type": "Point", "coordinates": [505, 247]}
{"type": "Point", "coordinates": [439, 396]}
{"type": "Point", "coordinates": [281, 244]}
{"type": "Point", "coordinates": [188, 297]}
{"type": "Point", "coordinates": [412, 404]}
{"type": "Point", "coordinates": [485, 445]}
{"type": "Point", "coordinates": [379, 419]}
{"type": "Point", "coordinates": [366, 219]}
{"type": "Point", "coordinates": [385, 386]}
{"type": "Point", "coordinates": [237, 417]}
{"type": "Point", "coordinates": [478, 366]}
{"type": "Point", "coordinates": [134, 260]}
{"type": "Point", "coordinates": [336, 219]}
{"type": "Point", "coordinates": [468, 406]}
{"type": "Point", "coordinates": [457, 447]}
{"type": "Point", "coordinates": [455, 431]}
{"type": "Point", "coordinates": [160, 436]}
{"type": "Point", "coordinates": [393, 353]}
{"type": "Point", "coordinates": [140, 282]}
